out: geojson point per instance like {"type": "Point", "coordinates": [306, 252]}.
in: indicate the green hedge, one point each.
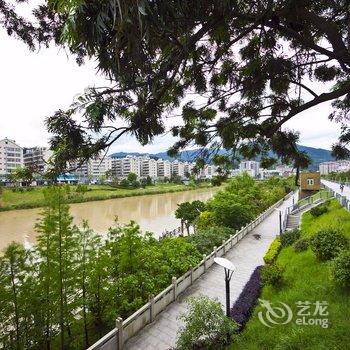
{"type": "Point", "coordinates": [272, 253]}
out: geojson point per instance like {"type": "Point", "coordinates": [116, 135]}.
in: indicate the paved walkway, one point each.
{"type": "Point", "coordinates": [336, 187]}
{"type": "Point", "coordinates": [246, 255]}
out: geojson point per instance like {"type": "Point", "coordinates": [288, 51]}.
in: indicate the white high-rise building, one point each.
{"type": "Point", "coordinates": [92, 170]}
{"type": "Point", "coordinates": [334, 167]}
{"type": "Point", "coordinates": [250, 166]}
{"type": "Point", "coordinates": [163, 168]}
{"type": "Point", "coordinates": [328, 167]}
{"type": "Point", "coordinates": [11, 157]}
{"type": "Point", "coordinates": [208, 171]}
{"type": "Point", "coordinates": [148, 167]}
{"type": "Point", "coordinates": [178, 168]}
{"type": "Point", "coordinates": [37, 157]}
{"type": "Point", "coordinates": [122, 167]}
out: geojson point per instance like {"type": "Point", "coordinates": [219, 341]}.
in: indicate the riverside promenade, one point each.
{"type": "Point", "coordinates": [336, 188]}
{"type": "Point", "coordinates": [246, 256]}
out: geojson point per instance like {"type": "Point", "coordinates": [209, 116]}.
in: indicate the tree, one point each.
{"type": "Point", "coordinates": [58, 246]}
{"type": "Point", "coordinates": [102, 179]}
{"type": "Point", "coordinates": [132, 177]}
{"type": "Point", "coordinates": [12, 291]}
{"type": "Point", "coordinates": [251, 64]}
{"type": "Point", "coordinates": [22, 174]}
{"type": "Point", "coordinates": [188, 212]}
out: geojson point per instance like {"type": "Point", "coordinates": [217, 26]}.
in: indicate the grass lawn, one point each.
{"type": "Point", "coordinates": [306, 279]}
{"type": "Point", "coordinates": [35, 198]}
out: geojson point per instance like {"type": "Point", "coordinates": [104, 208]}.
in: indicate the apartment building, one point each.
{"type": "Point", "coordinates": [328, 167]}
{"type": "Point", "coordinates": [163, 168]}
{"type": "Point", "coordinates": [37, 157]}
{"type": "Point", "coordinates": [250, 166]}
{"type": "Point", "coordinates": [90, 171]}
{"type": "Point", "coordinates": [178, 168]}
{"type": "Point", "coordinates": [208, 171]}
{"type": "Point", "coordinates": [334, 167]}
{"type": "Point", "coordinates": [11, 157]}
{"type": "Point", "coordinates": [122, 167]}
{"type": "Point", "coordinates": [148, 167]}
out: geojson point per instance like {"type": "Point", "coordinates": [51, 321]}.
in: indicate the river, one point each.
{"type": "Point", "coordinates": [153, 213]}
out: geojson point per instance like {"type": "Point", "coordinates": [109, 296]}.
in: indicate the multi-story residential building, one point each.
{"type": "Point", "coordinates": [11, 157]}
{"type": "Point", "coordinates": [90, 171]}
{"type": "Point", "coordinates": [328, 167]}
{"type": "Point", "coordinates": [97, 167]}
{"type": "Point", "coordinates": [116, 165]}
{"type": "Point", "coordinates": [250, 166]}
{"type": "Point", "coordinates": [37, 157]}
{"type": "Point", "coordinates": [208, 171]}
{"type": "Point", "coordinates": [131, 164]}
{"type": "Point", "coordinates": [163, 168]}
{"type": "Point", "coordinates": [122, 167]}
{"type": "Point", "coordinates": [148, 167]}
{"type": "Point", "coordinates": [178, 168]}
{"type": "Point", "coordinates": [334, 167]}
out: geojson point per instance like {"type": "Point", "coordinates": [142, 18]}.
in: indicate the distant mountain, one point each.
{"type": "Point", "coordinates": [317, 155]}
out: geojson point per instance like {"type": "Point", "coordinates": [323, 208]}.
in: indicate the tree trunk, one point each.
{"type": "Point", "coordinates": [15, 305]}
{"type": "Point", "coordinates": [61, 275]}
{"type": "Point", "coordinates": [297, 175]}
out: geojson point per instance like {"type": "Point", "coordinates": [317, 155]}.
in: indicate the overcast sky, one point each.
{"type": "Point", "coordinates": [35, 84]}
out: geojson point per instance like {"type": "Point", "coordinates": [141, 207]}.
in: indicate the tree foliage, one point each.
{"type": "Point", "coordinates": [188, 212]}
{"type": "Point", "coordinates": [250, 68]}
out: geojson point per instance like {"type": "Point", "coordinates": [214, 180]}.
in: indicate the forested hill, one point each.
{"type": "Point", "coordinates": [317, 155]}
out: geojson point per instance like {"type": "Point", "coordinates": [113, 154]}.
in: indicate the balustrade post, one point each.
{"type": "Point", "coordinates": [224, 246]}
{"type": "Point", "coordinates": [215, 251]}
{"type": "Point", "coordinates": [151, 307]}
{"type": "Point", "coordinates": [191, 274]}
{"type": "Point", "coordinates": [174, 283]}
{"type": "Point", "coordinates": [119, 332]}
{"type": "Point", "coordinates": [204, 262]}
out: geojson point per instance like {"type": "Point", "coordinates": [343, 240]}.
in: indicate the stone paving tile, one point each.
{"type": "Point", "coordinates": [246, 255]}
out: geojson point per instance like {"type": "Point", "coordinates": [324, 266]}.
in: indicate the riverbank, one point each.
{"type": "Point", "coordinates": [10, 200]}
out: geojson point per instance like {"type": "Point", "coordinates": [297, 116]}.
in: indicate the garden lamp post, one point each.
{"type": "Point", "coordinates": [280, 218]}
{"type": "Point", "coordinates": [229, 268]}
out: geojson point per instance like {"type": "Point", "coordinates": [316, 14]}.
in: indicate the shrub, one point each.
{"type": "Point", "coordinates": [246, 301]}
{"type": "Point", "coordinates": [206, 325]}
{"type": "Point", "coordinates": [81, 189]}
{"type": "Point", "coordinates": [319, 210]}
{"type": "Point", "coordinates": [272, 253]}
{"type": "Point", "coordinates": [340, 268]}
{"type": "Point", "coordinates": [206, 239]}
{"type": "Point", "coordinates": [271, 274]}
{"type": "Point", "coordinates": [328, 243]}
{"type": "Point", "coordinates": [301, 244]}
{"type": "Point", "coordinates": [289, 237]}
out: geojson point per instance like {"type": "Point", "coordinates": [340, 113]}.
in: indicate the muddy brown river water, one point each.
{"type": "Point", "coordinates": [153, 213]}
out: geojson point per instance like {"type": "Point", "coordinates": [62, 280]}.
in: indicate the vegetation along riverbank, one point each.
{"type": "Point", "coordinates": [33, 197]}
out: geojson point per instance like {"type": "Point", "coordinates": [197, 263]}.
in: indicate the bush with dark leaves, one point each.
{"type": "Point", "coordinates": [319, 210]}
{"type": "Point", "coordinates": [300, 245]}
{"type": "Point", "coordinates": [341, 268]}
{"type": "Point", "coordinates": [246, 301]}
{"type": "Point", "coordinates": [328, 243]}
{"type": "Point", "coordinates": [272, 275]}
{"type": "Point", "coordinates": [289, 237]}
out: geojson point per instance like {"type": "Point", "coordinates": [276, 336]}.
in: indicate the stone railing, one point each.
{"type": "Point", "coordinates": [125, 329]}
{"type": "Point", "coordinates": [345, 202]}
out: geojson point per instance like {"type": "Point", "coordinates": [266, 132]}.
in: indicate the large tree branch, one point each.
{"type": "Point", "coordinates": [317, 100]}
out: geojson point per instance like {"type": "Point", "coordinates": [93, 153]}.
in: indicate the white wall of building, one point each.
{"type": "Point", "coordinates": [11, 157]}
